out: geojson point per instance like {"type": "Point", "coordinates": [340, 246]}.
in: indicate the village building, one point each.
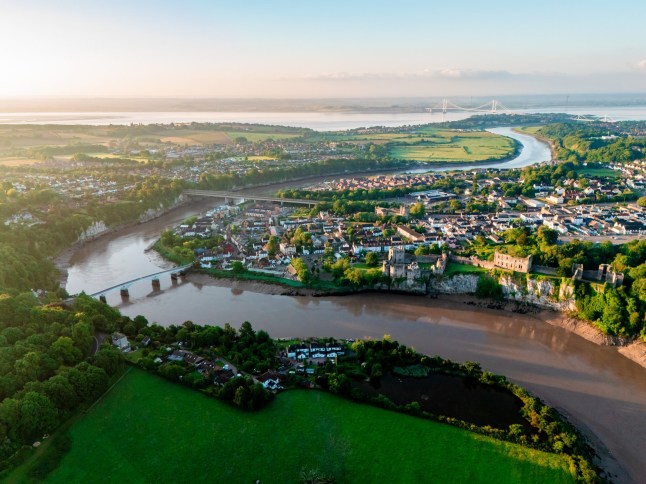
{"type": "Point", "coordinates": [511, 263]}
{"type": "Point", "coordinates": [120, 340]}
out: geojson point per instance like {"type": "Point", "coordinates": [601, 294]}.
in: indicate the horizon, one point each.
{"type": "Point", "coordinates": [409, 104]}
{"type": "Point", "coordinates": [360, 50]}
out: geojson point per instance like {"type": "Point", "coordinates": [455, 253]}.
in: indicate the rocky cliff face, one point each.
{"type": "Point", "coordinates": [153, 213]}
{"type": "Point", "coordinates": [94, 230]}
{"type": "Point", "coordinates": [539, 292]}
{"type": "Point", "coordinates": [458, 284]}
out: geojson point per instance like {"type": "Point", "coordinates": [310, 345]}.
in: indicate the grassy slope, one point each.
{"type": "Point", "coordinates": [149, 430]}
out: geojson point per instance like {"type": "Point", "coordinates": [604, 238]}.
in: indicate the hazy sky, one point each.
{"type": "Point", "coordinates": [325, 48]}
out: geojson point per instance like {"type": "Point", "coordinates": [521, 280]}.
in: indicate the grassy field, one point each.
{"type": "Point", "coordinates": [451, 146]}
{"type": "Point", "coordinates": [457, 268]}
{"type": "Point", "coordinates": [597, 172]}
{"type": "Point", "coordinates": [19, 140]}
{"type": "Point", "coordinates": [18, 161]}
{"type": "Point", "coordinates": [150, 430]}
{"type": "Point", "coordinates": [532, 130]}
{"type": "Point", "coordinates": [253, 137]}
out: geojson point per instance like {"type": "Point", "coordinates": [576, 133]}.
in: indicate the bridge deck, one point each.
{"type": "Point", "coordinates": [142, 278]}
{"type": "Point", "coordinates": [219, 194]}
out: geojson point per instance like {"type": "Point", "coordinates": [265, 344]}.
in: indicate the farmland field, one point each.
{"type": "Point", "coordinates": [447, 146]}
{"type": "Point", "coordinates": [260, 136]}
{"type": "Point", "coordinates": [150, 430]}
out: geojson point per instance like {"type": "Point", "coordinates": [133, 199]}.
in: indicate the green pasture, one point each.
{"type": "Point", "coordinates": [454, 147]}
{"type": "Point", "coordinates": [457, 268]}
{"type": "Point", "coordinates": [531, 130]}
{"type": "Point", "coordinates": [150, 430]}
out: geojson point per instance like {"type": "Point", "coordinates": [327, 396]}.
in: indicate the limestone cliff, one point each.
{"type": "Point", "coordinates": [542, 292]}
{"type": "Point", "coordinates": [97, 228]}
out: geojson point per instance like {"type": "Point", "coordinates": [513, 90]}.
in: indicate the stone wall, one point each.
{"type": "Point", "coordinates": [472, 261]}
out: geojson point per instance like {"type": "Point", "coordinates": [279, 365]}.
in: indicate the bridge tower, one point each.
{"type": "Point", "coordinates": [493, 106]}
{"type": "Point", "coordinates": [445, 106]}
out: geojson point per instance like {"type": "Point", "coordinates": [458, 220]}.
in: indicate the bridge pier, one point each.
{"type": "Point", "coordinates": [103, 299]}
{"type": "Point", "coordinates": [174, 278]}
{"type": "Point", "coordinates": [156, 284]}
{"type": "Point", "coordinates": [125, 294]}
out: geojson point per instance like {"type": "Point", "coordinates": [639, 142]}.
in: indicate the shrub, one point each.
{"type": "Point", "coordinates": [488, 287]}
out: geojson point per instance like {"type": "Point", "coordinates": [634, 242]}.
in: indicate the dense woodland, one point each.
{"type": "Point", "coordinates": [46, 369]}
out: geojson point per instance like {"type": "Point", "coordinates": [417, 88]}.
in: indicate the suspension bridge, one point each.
{"type": "Point", "coordinates": [589, 118]}
{"type": "Point", "coordinates": [492, 107]}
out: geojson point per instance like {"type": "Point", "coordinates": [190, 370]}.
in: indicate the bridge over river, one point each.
{"type": "Point", "coordinates": [174, 272]}
{"type": "Point", "coordinates": [245, 196]}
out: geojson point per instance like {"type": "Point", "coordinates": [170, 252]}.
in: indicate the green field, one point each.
{"type": "Point", "coordinates": [457, 268]}
{"type": "Point", "coordinates": [531, 130]}
{"type": "Point", "coordinates": [452, 146]}
{"type": "Point", "coordinates": [260, 136]}
{"type": "Point", "coordinates": [598, 172]}
{"type": "Point", "coordinates": [150, 430]}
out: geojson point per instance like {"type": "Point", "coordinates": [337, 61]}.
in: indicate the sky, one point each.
{"type": "Point", "coordinates": [320, 49]}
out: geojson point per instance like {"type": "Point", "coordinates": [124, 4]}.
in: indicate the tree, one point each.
{"type": "Point", "coordinates": [88, 380]}
{"type": "Point", "coordinates": [302, 271]}
{"type": "Point", "coordinates": [546, 236]}
{"type": "Point", "coordinates": [455, 205]}
{"type": "Point", "coordinates": [61, 392]}
{"type": "Point", "coordinates": [109, 358]}
{"type": "Point", "coordinates": [372, 259]}
{"type": "Point", "coordinates": [418, 210]}
{"type": "Point", "coordinates": [641, 201]}
{"type": "Point", "coordinates": [63, 350]}
{"type": "Point", "coordinates": [237, 267]}
{"type": "Point", "coordinates": [241, 397]}
{"type": "Point", "coordinates": [354, 276]}
{"type": "Point", "coordinates": [272, 246]}
{"type": "Point", "coordinates": [38, 415]}
{"type": "Point", "coordinates": [488, 287]}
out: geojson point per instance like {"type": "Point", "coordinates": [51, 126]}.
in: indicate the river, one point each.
{"type": "Point", "coordinates": [600, 390]}
{"type": "Point", "coordinates": [321, 121]}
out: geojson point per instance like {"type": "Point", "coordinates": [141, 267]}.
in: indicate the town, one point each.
{"type": "Point", "coordinates": [265, 237]}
